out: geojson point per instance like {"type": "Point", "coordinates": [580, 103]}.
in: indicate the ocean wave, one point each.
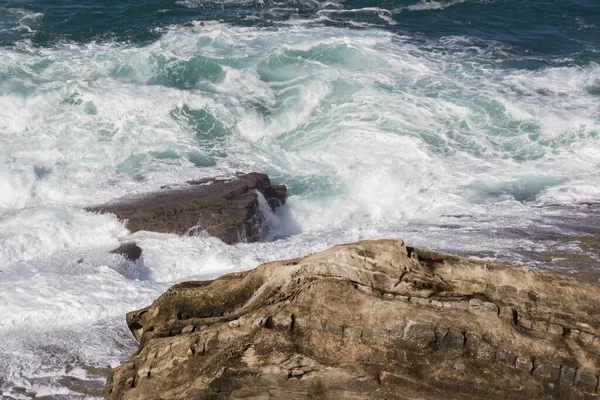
{"type": "Point", "coordinates": [516, 114]}
{"type": "Point", "coordinates": [381, 13]}
{"type": "Point", "coordinates": [299, 21]}
{"type": "Point", "coordinates": [20, 20]}
{"type": "Point", "coordinates": [193, 4]}
{"type": "Point", "coordinates": [425, 5]}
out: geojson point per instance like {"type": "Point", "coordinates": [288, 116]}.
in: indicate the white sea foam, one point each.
{"type": "Point", "coordinates": [382, 13]}
{"type": "Point", "coordinates": [20, 20]}
{"type": "Point", "coordinates": [432, 5]}
{"type": "Point", "coordinates": [376, 137]}
{"type": "Point", "coordinates": [304, 21]}
{"type": "Point", "coordinates": [205, 3]}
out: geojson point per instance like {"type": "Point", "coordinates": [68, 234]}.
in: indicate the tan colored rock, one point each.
{"type": "Point", "coordinates": [364, 321]}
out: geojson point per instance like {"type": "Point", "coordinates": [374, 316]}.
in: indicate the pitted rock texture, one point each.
{"type": "Point", "coordinates": [369, 320]}
{"type": "Point", "coordinates": [229, 209]}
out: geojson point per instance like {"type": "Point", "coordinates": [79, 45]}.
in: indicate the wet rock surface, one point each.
{"type": "Point", "coordinates": [229, 209]}
{"type": "Point", "coordinates": [129, 250]}
{"type": "Point", "coordinates": [558, 238]}
{"type": "Point", "coordinates": [368, 320]}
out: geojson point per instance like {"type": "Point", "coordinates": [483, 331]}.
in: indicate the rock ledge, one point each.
{"type": "Point", "coordinates": [229, 209]}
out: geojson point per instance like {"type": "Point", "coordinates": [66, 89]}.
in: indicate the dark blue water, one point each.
{"type": "Point", "coordinates": [541, 30]}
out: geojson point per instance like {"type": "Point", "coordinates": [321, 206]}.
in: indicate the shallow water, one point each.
{"type": "Point", "coordinates": [468, 127]}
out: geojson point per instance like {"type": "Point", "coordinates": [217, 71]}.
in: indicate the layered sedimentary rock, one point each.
{"type": "Point", "coordinates": [226, 208]}
{"type": "Point", "coordinates": [369, 320]}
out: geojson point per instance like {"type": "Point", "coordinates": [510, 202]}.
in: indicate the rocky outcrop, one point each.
{"type": "Point", "coordinates": [129, 251]}
{"type": "Point", "coordinates": [369, 320]}
{"type": "Point", "coordinates": [229, 209]}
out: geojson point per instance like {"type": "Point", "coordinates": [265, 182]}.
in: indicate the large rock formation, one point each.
{"type": "Point", "coordinates": [228, 209]}
{"type": "Point", "coordinates": [369, 320]}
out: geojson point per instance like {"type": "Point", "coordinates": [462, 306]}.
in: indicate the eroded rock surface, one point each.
{"type": "Point", "coordinates": [226, 208]}
{"type": "Point", "coordinates": [369, 320]}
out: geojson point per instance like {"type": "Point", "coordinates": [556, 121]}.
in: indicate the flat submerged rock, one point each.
{"type": "Point", "coordinates": [225, 208]}
{"type": "Point", "coordinates": [368, 320]}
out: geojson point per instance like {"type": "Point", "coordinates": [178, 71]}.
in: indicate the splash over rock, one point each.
{"type": "Point", "coordinates": [369, 320]}
{"type": "Point", "coordinates": [229, 209]}
{"type": "Point", "coordinates": [129, 251]}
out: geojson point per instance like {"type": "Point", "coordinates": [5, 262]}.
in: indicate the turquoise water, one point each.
{"type": "Point", "coordinates": [467, 126]}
